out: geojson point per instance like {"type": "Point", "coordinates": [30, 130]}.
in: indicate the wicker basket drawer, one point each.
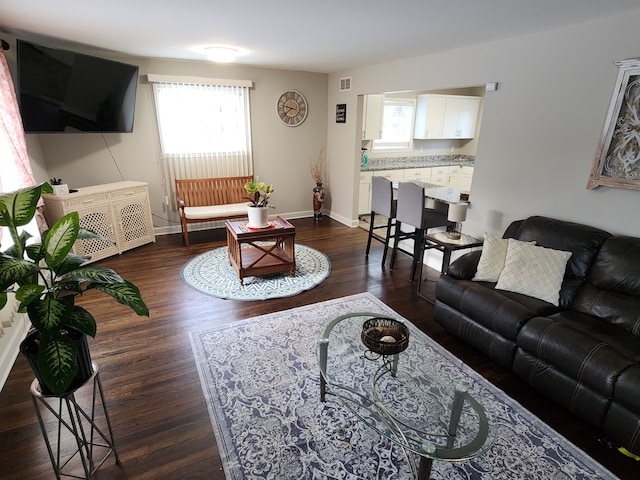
{"type": "Point", "coordinates": [72, 203]}
{"type": "Point", "coordinates": [129, 192]}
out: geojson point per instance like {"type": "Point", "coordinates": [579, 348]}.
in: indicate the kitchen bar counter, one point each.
{"type": "Point", "coordinates": [394, 163]}
{"type": "Point", "coordinates": [442, 194]}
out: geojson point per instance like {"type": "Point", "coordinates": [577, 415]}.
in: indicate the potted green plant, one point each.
{"type": "Point", "coordinates": [259, 193]}
{"type": "Point", "coordinates": [45, 278]}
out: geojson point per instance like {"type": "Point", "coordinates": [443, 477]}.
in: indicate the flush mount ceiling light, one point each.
{"type": "Point", "coordinates": [221, 54]}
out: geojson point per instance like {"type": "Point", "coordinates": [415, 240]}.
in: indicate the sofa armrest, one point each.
{"type": "Point", "coordinates": [464, 267]}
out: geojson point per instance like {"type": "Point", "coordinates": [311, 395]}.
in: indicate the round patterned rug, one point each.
{"type": "Point", "coordinates": [212, 274]}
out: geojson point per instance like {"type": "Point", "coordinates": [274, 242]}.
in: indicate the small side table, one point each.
{"type": "Point", "coordinates": [440, 241]}
{"type": "Point", "coordinates": [74, 422]}
{"type": "Point", "coordinates": [261, 251]}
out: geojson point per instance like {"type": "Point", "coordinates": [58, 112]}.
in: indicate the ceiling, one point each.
{"type": "Point", "coordinates": [324, 36]}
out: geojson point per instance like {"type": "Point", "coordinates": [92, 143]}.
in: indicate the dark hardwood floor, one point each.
{"type": "Point", "coordinates": [159, 415]}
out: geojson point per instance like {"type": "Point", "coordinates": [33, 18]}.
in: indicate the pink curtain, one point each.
{"type": "Point", "coordinates": [16, 170]}
{"type": "Point", "coordinates": [11, 132]}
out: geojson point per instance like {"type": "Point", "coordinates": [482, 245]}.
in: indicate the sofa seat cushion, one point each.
{"type": "Point", "coordinates": [581, 347]}
{"type": "Point", "coordinates": [628, 389]}
{"type": "Point", "coordinates": [216, 211]}
{"type": "Point", "coordinates": [622, 420]}
{"type": "Point", "coordinates": [495, 346]}
{"type": "Point", "coordinates": [500, 311]}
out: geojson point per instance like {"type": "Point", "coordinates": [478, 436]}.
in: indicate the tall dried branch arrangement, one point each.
{"type": "Point", "coordinates": [317, 165]}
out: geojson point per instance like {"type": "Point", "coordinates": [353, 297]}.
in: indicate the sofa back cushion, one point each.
{"type": "Point", "coordinates": [582, 241]}
{"type": "Point", "coordinates": [612, 289]}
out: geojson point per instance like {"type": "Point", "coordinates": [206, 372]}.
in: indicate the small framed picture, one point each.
{"type": "Point", "coordinates": [341, 113]}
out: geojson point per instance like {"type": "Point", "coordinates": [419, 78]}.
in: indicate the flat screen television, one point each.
{"type": "Point", "coordinates": [64, 91]}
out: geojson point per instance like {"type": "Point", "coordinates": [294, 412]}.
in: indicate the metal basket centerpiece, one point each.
{"type": "Point", "coordinates": [385, 336]}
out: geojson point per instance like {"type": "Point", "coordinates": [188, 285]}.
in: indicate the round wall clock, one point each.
{"type": "Point", "coordinates": [291, 108]}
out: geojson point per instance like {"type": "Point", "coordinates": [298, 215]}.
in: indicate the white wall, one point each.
{"type": "Point", "coordinates": [537, 141]}
{"type": "Point", "coordinates": [282, 155]}
{"type": "Point", "coordinates": [539, 131]}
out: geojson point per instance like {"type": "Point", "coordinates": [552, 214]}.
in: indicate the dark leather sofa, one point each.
{"type": "Point", "coordinates": [583, 353]}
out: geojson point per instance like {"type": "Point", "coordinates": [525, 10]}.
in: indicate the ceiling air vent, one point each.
{"type": "Point", "coordinates": [345, 84]}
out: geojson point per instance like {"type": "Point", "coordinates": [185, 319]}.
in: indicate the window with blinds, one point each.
{"type": "Point", "coordinates": [204, 127]}
{"type": "Point", "coordinates": [204, 121]}
{"type": "Point", "coordinates": [397, 125]}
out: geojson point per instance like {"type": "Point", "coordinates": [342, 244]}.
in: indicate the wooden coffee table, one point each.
{"type": "Point", "coordinates": [261, 251]}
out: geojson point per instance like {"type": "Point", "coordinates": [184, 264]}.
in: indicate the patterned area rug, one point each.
{"type": "Point", "coordinates": [212, 274]}
{"type": "Point", "coordinates": [261, 382]}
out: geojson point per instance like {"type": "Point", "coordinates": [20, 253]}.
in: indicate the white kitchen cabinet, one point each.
{"type": "Point", "coordinates": [440, 175]}
{"type": "Point", "coordinates": [372, 116]}
{"type": "Point", "coordinates": [429, 121]}
{"type": "Point", "coordinates": [421, 174]}
{"type": "Point", "coordinates": [461, 116]}
{"type": "Point", "coordinates": [454, 176]}
{"type": "Point", "coordinates": [119, 211]}
{"type": "Point", "coordinates": [446, 116]}
{"type": "Point", "coordinates": [364, 193]}
{"type": "Point", "coordinates": [460, 177]}
{"type": "Point", "coordinates": [396, 175]}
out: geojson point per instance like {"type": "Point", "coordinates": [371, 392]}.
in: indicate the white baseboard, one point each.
{"type": "Point", "coordinates": [171, 229]}
{"type": "Point", "coordinates": [10, 343]}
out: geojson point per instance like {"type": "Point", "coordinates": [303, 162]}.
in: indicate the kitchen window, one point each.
{"type": "Point", "coordinates": [397, 125]}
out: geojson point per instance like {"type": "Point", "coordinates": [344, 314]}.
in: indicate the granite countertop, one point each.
{"type": "Point", "coordinates": [396, 163]}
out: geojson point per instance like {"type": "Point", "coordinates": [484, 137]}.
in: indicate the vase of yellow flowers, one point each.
{"type": "Point", "coordinates": [258, 208]}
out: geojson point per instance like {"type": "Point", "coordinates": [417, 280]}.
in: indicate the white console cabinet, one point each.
{"type": "Point", "coordinates": [119, 211]}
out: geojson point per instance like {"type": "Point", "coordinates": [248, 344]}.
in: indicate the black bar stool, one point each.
{"type": "Point", "coordinates": [382, 203]}
{"type": "Point", "coordinates": [412, 211]}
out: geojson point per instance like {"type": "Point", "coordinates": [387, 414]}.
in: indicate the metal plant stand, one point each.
{"type": "Point", "coordinates": [78, 439]}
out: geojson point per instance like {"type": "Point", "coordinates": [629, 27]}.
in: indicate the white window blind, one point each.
{"type": "Point", "coordinates": [204, 127]}
{"type": "Point", "coordinates": [397, 125]}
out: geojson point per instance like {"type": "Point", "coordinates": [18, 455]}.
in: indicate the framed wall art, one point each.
{"type": "Point", "coordinates": [617, 162]}
{"type": "Point", "coordinates": [341, 113]}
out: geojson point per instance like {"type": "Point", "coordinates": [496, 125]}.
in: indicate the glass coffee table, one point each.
{"type": "Point", "coordinates": [405, 398]}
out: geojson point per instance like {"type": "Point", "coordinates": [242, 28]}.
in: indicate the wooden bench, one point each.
{"type": "Point", "coordinates": [210, 199]}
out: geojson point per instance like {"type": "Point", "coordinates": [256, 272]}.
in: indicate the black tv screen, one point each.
{"type": "Point", "coordinates": [64, 91]}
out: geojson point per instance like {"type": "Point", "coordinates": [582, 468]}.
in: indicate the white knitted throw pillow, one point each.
{"type": "Point", "coordinates": [534, 271]}
{"type": "Point", "coordinates": [492, 258]}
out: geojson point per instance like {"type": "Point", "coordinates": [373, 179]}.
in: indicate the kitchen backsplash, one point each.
{"type": "Point", "coordinates": [417, 161]}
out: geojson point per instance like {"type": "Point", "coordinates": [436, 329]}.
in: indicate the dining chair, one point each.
{"type": "Point", "coordinates": [412, 211]}
{"type": "Point", "coordinates": [382, 203]}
